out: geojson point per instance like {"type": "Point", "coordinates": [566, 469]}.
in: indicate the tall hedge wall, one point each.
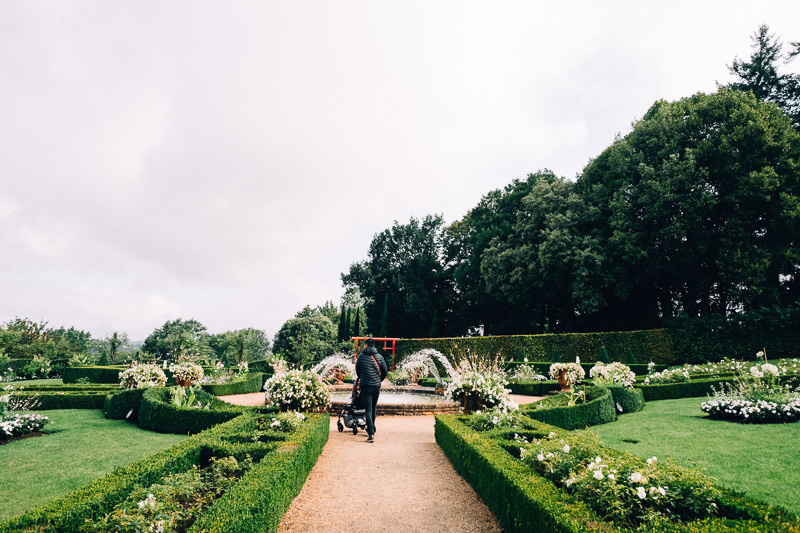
{"type": "Point", "coordinates": [740, 336]}
{"type": "Point", "coordinates": [647, 345]}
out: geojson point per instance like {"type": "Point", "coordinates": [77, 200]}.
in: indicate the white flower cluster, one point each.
{"type": "Point", "coordinates": [189, 372]}
{"type": "Point", "coordinates": [573, 372]}
{"type": "Point", "coordinates": [296, 390]}
{"type": "Point", "coordinates": [414, 369]}
{"type": "Point", "coordinates": [612, 374]}
{"type": "Point", "coordinates": [141, 376]}
{"type": "Point", "coordinates": [11, 425]}
{"type": "Point", "coordinates": [287, 422]}
{"type": "Point", "coordinates": [527, 372]}
{"type": "Point", "coordinates": [759, 410]}
{"type": "Point", "coordinates": [488, 387]}
{"type": "Point", "coordinates": [677, 375]}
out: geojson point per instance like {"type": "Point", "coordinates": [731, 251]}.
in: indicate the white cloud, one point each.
{"type": "Point", "coordinates": [227, 162]}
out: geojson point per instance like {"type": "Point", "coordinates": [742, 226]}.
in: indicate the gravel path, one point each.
{"type": "Point", "coordinates": [402, 482]}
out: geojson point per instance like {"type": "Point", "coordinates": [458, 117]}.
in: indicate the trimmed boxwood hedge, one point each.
{"type": "Point", "coordinates": [685, 389]}
{"type": "Point", "coordinates": [156, 413]}
{"type": "Point", "coordinates": [118, 404]}
{"type": "Point", "coordinates": [647, 345]}
{"type": "Point", "coordinates": [598, 409]}
{"type": "Point", "coordinates": [78, 399]}
{"type": "Point", "coordinates": [629, 400]}
{"type": "Point", "coordinates": [95, 374]}
{"type": "Point", "coordinates": [529, 387]}
{"type": "Point", "coordinates": [252, 383]}
{"type": "Point", "coordinates": [260, 496]}
{"type": "Point", "coordinates": [526, 502]}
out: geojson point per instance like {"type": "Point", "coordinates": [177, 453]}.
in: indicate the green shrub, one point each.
{"type": "Point", "coordinates": [652, 345]}
{"type": "Point", "coordinates": [123, 404]}
{"type": "Point", "coordinates": [158, 414]}
{"type": "Point", "coordinates": [251, 383]}
{"type": "Point", "coordinates": [598, 409]}
{"type": "Point", "coordinates": [602, 355]}
{"type": "Point", "coordinates": [627, 400]}
{"type": "Point", "coordinates": [529, 387]}
{"type": "Point", "coordinates": [630, 359]}
{"type": "Point", "coordinates": [47, 401]}
{"type": "Point", "coordinates": [686, 389]}
{"type": "Point", "coordinates": [544, 368]}
{"type": "Point", "coordinates": [95, 374]}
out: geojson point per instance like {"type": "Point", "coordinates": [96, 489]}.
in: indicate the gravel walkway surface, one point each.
{"type": "Point", "coordinates": [402, 482]}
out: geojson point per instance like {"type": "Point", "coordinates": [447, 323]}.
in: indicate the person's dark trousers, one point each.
{"type": "Point", "coordinates": [370, 395]}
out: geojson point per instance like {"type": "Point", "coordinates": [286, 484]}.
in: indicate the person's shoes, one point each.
{"type": "Point", "coordinates": [370, 439]}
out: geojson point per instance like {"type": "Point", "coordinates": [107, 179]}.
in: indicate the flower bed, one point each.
{"type": "Point", "coordinates": [256, 502]}
{"type": "Point", "coordinates": [525, 501]}
{"type": "Point", "coordinates": [573, 372]}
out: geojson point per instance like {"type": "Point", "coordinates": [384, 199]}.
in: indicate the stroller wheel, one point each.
{"type": "Point", "coordinates": [340, 426]}
{"type": "Point", "coordinates": [355, 430]}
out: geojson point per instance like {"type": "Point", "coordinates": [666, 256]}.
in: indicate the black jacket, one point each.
{"type": "Point", "coordinates": [370, 374]}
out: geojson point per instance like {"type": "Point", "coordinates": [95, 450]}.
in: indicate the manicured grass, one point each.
{"type": "Point", "coordinates": [80, 447]}
{"type": "Point", "coordinates": [26, 382]}
{"type": "Point", "coordinates": [761, 460]}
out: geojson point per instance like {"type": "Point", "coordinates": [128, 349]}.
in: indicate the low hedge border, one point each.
{"type": "Point", "coordinates": [259, 500]}
{"type": "Point", "coordinates": [69, 512]}
{"type": "Point", "coordinates": [525, 502]}
{"type": "Point", "coordinates": [598, 409]}
{"type": "Point", "coordinates": [95, 374]}
{"type": "Point", "coordinates": [529, 387]}
{"type": "Point", "coordinates": [685, 389]}
{"type": "Point", "coordinates": [156, 413]}
{"type": "Point", "coordinates": [78, 399]}
{"type": "Point", "coordinates": [252, 383]}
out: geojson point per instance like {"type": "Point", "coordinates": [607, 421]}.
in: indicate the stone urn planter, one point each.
{"type": "Point", "coordinates": [182, 382]}
{"type": "Point", "coordinates": [562, 380]}
{"type": "Point", "coordinates": [471, 403]}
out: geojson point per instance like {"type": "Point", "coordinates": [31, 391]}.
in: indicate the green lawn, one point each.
{"type": "Point", "coordinates": [81, 447]}
{"type": "Point", "coordinates": [761, 460]}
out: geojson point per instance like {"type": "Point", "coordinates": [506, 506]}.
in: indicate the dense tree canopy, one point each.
{"type": "Point", "coordinates": [306, 339]}
{"type": "Point", "coordinates": [241, 345]}
{"type": "Point", "coordinates": [695, 212]}
{"type": "Point", "coordinates": [177, 340]}
{"type": "Point", "coordinates": [403, 281]}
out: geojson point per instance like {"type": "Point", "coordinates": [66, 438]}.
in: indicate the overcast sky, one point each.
{"type": "Point", "coordinates": [227, 161]}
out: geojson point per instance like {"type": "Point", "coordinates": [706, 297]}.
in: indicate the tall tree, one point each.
{"type": "Point", "coordinates": [306, 339]}
{"type": "Point", "coordinates": [404, 267]}
{"type": "Point", "coordinates": [475, 307]}
{"type": "Point", "coordinates": [760, 74]}
{"type": "Point", "coordinates": [702, 207]}
{"type": "Point", "coordinates": [178, 340]}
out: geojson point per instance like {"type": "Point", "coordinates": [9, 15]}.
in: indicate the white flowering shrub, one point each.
{"type": "Point", "coordinates": [755, 397]}
{"type": "Point", "coordinates": [573, 372]}
{"type": "Point", "coordinates": [527, 372]}
{"type": "Point", "coordinates": [297, 391]}
{"type": "Point", "coordinates": [141, 376]}
{"type": "Point", "coordinates": [187, 372]}
{"type": "Point", "coordinates": [415, 370]}
{"type": "Point", "coordinates": [677, 375]}
{"type": "Point", "coordinates": [288, 422]}
{"type": "Point", "coordinates": [605, 375]}
{"type": "Point", "coordinates": [12, 424]}
{"type": "Point", "coordinates": [493, 419]}
{"type": "Point", "coordinates": [487, 388]}
{"type": "Point", "coordinates": [628, 490]}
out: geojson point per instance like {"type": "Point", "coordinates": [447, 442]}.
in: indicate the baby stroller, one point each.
{"type": "Point", "coordinates": [353, 413]}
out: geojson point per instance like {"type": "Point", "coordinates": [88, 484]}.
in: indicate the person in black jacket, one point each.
{"type": "Point", "coordinates": [371, 370]}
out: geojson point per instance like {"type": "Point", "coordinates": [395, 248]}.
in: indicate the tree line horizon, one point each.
{"type": "Point", "coordinates": [695, 212]}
